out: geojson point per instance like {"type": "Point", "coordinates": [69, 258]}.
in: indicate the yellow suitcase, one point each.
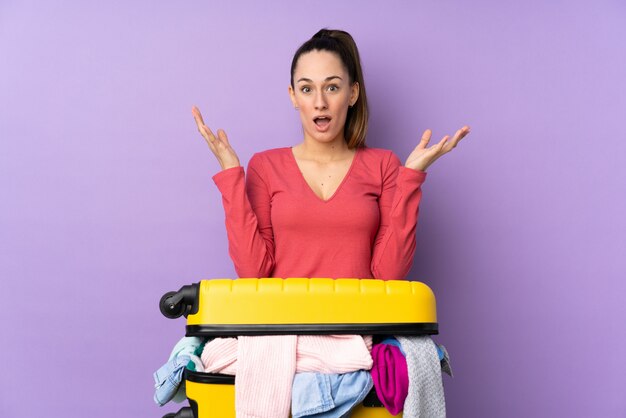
{"type": "Point", "coordinates": [272, 306]}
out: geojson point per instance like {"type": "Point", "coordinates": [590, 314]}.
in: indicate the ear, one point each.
{"type": "Point", "coordinates": [354, 93]}
{"type": "Point", "coordinates": [292, 96]}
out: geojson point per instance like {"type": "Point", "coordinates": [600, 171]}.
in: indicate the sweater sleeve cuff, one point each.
{"type": "Point", "coordinates": [410, 176]}
{"type": "Point", "coordinates": [225, 180]}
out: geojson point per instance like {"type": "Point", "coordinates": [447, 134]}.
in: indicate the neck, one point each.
{"type": "Point", "coordinates": [323, 151]}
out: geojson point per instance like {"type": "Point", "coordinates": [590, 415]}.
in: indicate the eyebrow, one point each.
{"type": "Point", "coordinates": [327, 79]}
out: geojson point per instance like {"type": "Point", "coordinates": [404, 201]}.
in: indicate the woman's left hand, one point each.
{"type": "Point", "coordinates": [422, 157]}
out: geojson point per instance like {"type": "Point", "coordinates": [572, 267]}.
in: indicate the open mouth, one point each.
{"type": "Point", "coordinates": [322, 122]}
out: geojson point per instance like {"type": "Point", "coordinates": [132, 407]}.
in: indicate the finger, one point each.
{"type": "Point", "coordinates": [213, 147]}
{"type": "Point", "coordinates": [463, 132]}
{"type": "Point", "coordinates": [460, 134]}
{"type": "Point", "coordinates": [441, 143]}
{"type": "Point", "coordinates": [222, 136]}
{"type": "Point", "coordinates": [433, 153]}
{"type": "Point", "coordinates": [207, 134]}
{"type": "Point", "coordinates": [425, 138]}
{"type": "Point", "coordinates": [438, 149]}
{"type": "Point", "coordinates": [197, 115]}
{"type": "Point", "coordinates": [204, 130]}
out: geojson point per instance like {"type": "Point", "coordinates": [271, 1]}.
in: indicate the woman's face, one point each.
{"type": "Point", "coordinates": [322, 92]}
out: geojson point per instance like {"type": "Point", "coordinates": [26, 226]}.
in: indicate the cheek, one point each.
{"type": "Point", "coordinates": [307, 109]}
{"type": "Point", "coordinates": [305, 114]}
{"type": "Point", "coordinates": [342, 104]}
{"type": "Point", "coordinates": [343, 101]}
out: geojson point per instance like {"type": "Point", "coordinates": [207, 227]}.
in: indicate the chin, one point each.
{"type": "Point", "coordinates": [323, 137]}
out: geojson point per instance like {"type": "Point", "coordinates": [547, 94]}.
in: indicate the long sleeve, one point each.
{"type": "Point", "coordinates": [248, 224]}
{"type": "Point", "coordinates": [394, 248]}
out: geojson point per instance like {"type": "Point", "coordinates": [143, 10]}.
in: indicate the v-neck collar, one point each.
{"type": "Point", "coordinates": [306, 184]}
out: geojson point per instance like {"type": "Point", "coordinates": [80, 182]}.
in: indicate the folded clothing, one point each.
{"type": "Point", "coordinates": [169, 384]}
{"type": "Point", "coordinates": [390, 376]}
{"type": "Point", "coordinates": [425, 395]}
{"type": "Point", "coordinates": [167, 379]}
{"type": "Point", "coordinates": [263, 382]}
{"type": "Point", "coordinates": [265, 366]}
{"type": "Point", "coordinates": [319, 395]}
{"type": "Point", "coordinates": [314, 353]}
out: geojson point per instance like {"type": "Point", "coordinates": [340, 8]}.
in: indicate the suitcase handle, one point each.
{"type": "Point", "coordinates": [182, 302]}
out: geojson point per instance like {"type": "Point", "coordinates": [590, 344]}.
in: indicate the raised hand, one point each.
{"type": "Point", "coordinates": [422, 157]}
{"type": "Point", "coordinates": [220, 146]}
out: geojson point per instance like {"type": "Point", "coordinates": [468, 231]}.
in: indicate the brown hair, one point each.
{"type": "Point", "coordinates": [342, 44]}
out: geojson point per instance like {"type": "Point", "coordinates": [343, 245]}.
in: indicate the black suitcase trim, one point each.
{"type": "Point", "coordinates": [233, 330]}
{"type": "Point", "coordinates": [211, 378]}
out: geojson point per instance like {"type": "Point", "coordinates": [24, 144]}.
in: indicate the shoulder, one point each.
{"type": "Point", "coordinates": [274, 156]}
{"type": "Point", "coordinates": [274, 152]}
{"type": "Point", "coordinates": [271, 163]}
{"type": "Point", "coordinates": [383, 158]}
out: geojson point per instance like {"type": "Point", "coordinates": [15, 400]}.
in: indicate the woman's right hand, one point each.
{"type": "Point", "coordinates": [220, 146]}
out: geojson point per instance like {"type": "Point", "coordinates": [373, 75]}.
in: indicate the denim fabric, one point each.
{"type": "Point", "coordinates": [320, 395]}
{"type": "Point", "coordinates": [439, 351]}
{"type": "Point", "coordinates": [168, 379]}
{"type": "Point", "coordinates": [446, 367]}
{"type": "Point", "coordinates": [169, 383]}
{"type": "Point", "coordinates": [188, 346]}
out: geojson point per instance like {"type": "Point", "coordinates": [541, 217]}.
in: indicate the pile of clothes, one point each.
{"type": "Point", "coordinates": [314, 375]}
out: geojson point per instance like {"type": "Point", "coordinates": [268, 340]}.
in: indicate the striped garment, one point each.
{"type": "Point", "coordinates": [264, 366]}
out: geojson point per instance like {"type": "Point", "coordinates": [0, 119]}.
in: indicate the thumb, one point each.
{"type": "Point", "coordinates": [222, 135]}
{"type": "Point", "coordinates": [425, 139]}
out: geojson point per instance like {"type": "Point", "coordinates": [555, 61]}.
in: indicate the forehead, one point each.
{"type": "Point", "coordinates": [318, 65]}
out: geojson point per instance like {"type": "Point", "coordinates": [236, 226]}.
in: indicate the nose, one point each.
{"type": "Point", "coordinates": [320, 101]}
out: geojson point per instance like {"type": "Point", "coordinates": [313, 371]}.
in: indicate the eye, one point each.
{"type": "Point", "coordinates": [333, 87]}
{"type": "Point", "coordinates": [305, 89]}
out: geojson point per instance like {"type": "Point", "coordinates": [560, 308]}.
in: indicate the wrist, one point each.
{"type": "Point", "coordinates": [228, 166]}
{"type": "Point", "coordinates": [417, 167]}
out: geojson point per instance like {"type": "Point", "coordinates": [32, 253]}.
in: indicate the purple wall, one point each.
{"type": "Point", "coordinates": [107, 202]}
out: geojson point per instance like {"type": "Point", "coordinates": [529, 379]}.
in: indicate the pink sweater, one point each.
{"type": "Point", "coordinates": [278, 227]}
{"type": "Point", "coordinates": [267, 365]}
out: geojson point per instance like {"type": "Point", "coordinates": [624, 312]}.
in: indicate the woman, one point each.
{"type": "Point", "coordinates": [328, 206]}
